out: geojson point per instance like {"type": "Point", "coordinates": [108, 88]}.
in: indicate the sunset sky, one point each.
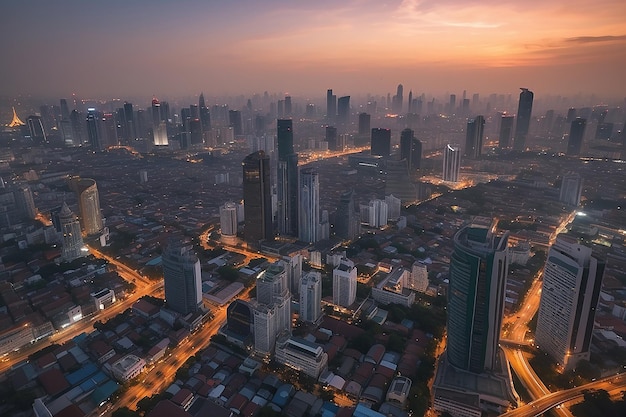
{"type": "Point", "coordinates": [120, 48]}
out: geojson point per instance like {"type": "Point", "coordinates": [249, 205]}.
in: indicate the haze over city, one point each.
{"type": "Point", "coordinates": [143, 48]}
{"type": "Point", "coordinates": [273, 208]}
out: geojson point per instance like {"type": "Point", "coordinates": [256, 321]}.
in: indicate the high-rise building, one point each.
{"type": "Point", "coordinates": [77, 122]}
{"type": "Point", "coordinates": [524, 112]}
{"type": "Point", "coordinates": [393, 207]}
{"type": "Point", "coordinates": [257, 198]}
{"type": "Point", "coordinates": [235, 121]}
{"type": "Point", "coordinates": [572, 279]}
{"type": "Point", "coordinates": [576, 135]}
{"type": "Point", "coordinates": [284, 137]}
{"type": "Point", "coordinates": [343, 110]}
{"type": "Point", "coordinates": [273, 306]}
{"type": "Point", "coordinates": [196, 133]}
{"type": "Point", "coordinates": [451, 163]}
{"type": "Point", "coordinates": [309, 211]}
{"type": "Point", "coordinates": [36, 129]}
{"type": "Point", "coordinates": [228, 219]}
{"type": "Point", "coordinates": [571, 189]}
{"type": "Point", "coordinates": [364, 124]}
{"type": "Point", "coordinates": [331, 138]}
{"type": "Point", "coordinates": [88, 204]}
{"type": "Point", "coordinates": [419, 277]}
{"type": "Point", "coordinates": [271, 283]}
{"type": "Point", "coordinates": [93, 128]}
{"type": "Point", "coordinates": [182, 279]}
{"type": "Point", "coordinates": [24, 201]}
{"type": "Point", "coordinates": [506, 129]}
{"type": "Point", "coordinates": [347, 223]}
{"type": "Point", "coordinates": [344, 283]}
{"type": "Point", "coordinates": [287, 180]}
{"type": "Point", "coordinates": [478, 271]}
{"type": "Point", "coordinates": [288, 110]}
{"type": "Point", "coordinates": [72, 240]}
{"type": "Point", "coordinates": [474, 137]}
{"type": "Point", "coordinates": [381, 142]}
{"type": "Point", "coordinates": [311, 297]}
{"type": "Point", "coordinates": [410, 149]}
{"type": "Point", "coordinates": [398, 99]}
{"type": "Point", "coordinates": [398, 182]}
{"type": "Point", "coordinates": [374, 214]}
{"type": "Point", "coordinates": [264, 328]}
{"type": "Point", "coordinates": [331, 105]}
{"type": "Point", "coordinates": [293, 266]}
{"type": "Point", "coordinates": [160, 134]}
{"type": "Point", "coordinates": [129, 123]}
{"type": "Point", "coordinates": [205, 116]}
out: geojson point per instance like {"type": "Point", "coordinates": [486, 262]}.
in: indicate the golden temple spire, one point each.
{"type": "Point", "coordinates": [16, 122]}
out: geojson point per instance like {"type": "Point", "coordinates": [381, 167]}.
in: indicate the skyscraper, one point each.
{"type": "Point", "coordinates": [287, 180]}
{"type": "Point", "coordinates": [381, 142]}
{"type": "Point", "coordinates": [571, 189]}
{"type": "Point", "coordinates": [451, 163]}
{"type": "Point", "coordinates": [36, 129]}
{"type": "Point", "coordinates": [72, 239]}
{"type": "Point", "coordinates": [182, 278]}
{"type": "Point", "coordinates": [309, 211]}
{"type": "Point", "coordinates": [288, 110]}
{"type": "Point", "coordinates": [524, 111]}
{"type": "Point", "coordinates": [347, 223]}
{"type": "Point", "coordinates": [129, 122]}
{"type": "Point", "coordinates": [398, 182]}
{"type": "Point", "coordinates": [478, 271]}
{"type": "Point", "coordinates": [343, 110]}
{"type": "Point", "coordinates": [410, 149]}
{"type": "Point", "coordinates": [93, 128]}
{"type": "Point", "coordinates": [235, 121]}
{"type": "Point", "coordinates": [344, 283]}
{"type": "Point", "coordinates": [397, 100]}
{"type": "Point", "coordinates": [228, 219]}
{"type": "Point", "coordinates": [205, 116]}
{"type": "Point", "coordinates": [474, 137]}
{"type": "Point", "coordinates": [572, 279]}
{"type": "Point", "coordinates": [576, 135]}
{"type": "Point", "coordinates": [273, 309]}
{"type": "Point", "coordinates": [331, 138]}
{"type": "Point", "coordinates": [364, 124]}
{"type": "Point", "coordinates": [506, 129]}
{"type": "Point", "coordinates": [257, 198]}
{"type": "Point", "coordinates": [311, 297]}
{"type": "Point", "coordinates": [88, 204]}
{"type": "Point", "coordinates": [331, 105]}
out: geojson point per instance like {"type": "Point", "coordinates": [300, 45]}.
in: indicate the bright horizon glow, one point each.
{"type": "Point", "coordinates": [119, 48]}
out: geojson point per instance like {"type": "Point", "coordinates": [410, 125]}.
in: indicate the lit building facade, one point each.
{"type": "Point", "coordinates": [572, 279]}
{"type": "Point", "coordinates": [88, 205]}
{"type": "Point", "coordinates": [478, 271]}
{"type": "Point", "coordinates": [302, 355]}
{"type": "Point", "coordinates": [451, 163]}
{"type": "Point", "coordinates": [311, 297]}
{"type": "Point", "coordinates": [344, 283]}
{"type": "Point", "coordinates": [182, 279]}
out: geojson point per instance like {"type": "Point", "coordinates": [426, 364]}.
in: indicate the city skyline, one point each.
{"type": "Point", "coordinates": [111, 50]}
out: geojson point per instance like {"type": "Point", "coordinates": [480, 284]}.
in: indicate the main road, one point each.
{"type": "Point", "coordinates": [158, 377]}
{"type": "Point", "coordinates": [143, 287]}
{"type": "Point", "coordinates": [615, 383]}
{"type": "Point", "coordinates": [518, 330]}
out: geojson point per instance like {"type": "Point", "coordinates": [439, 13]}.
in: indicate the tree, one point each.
{"type": "Point", "coordinates": [228, 273]}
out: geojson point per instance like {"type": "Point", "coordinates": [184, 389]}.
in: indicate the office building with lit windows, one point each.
{"type": "Point", "coordinates": [572, 279]}
{"type": "Point", "coordinates": [451, 163]}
